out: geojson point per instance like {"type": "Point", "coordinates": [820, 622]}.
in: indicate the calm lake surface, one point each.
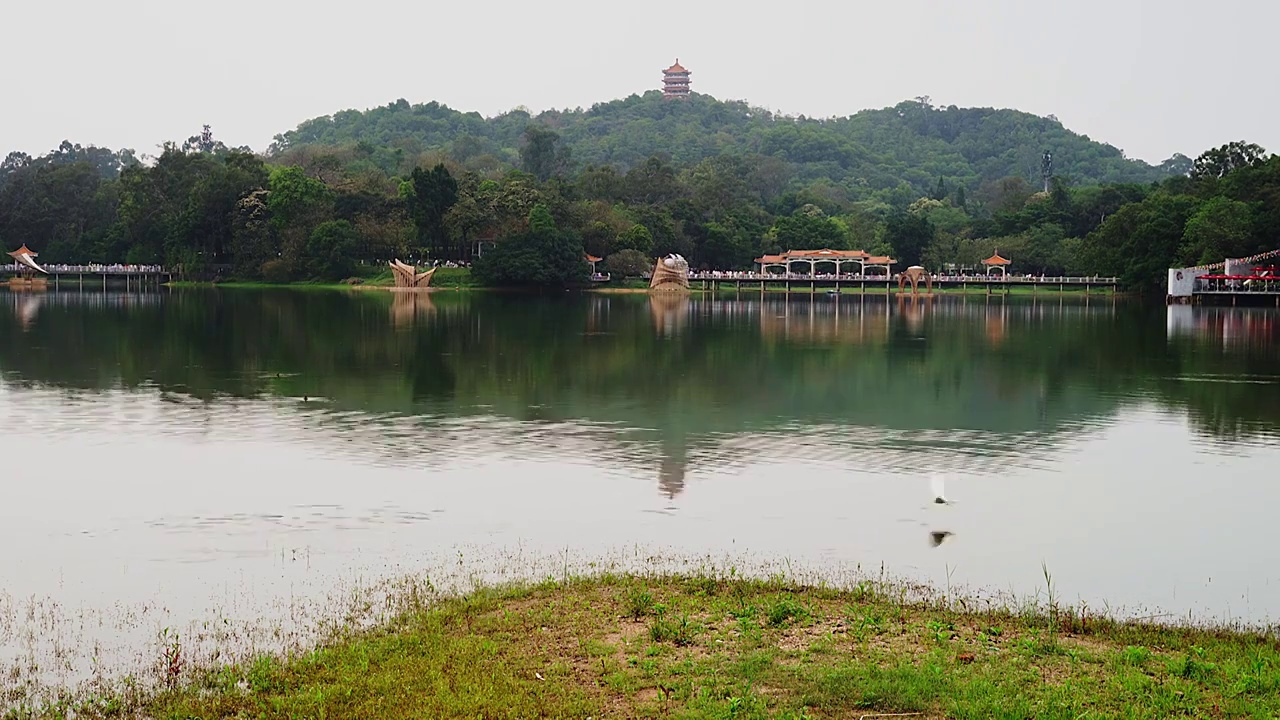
{"type": "Point", "coordinates": [211, 447]}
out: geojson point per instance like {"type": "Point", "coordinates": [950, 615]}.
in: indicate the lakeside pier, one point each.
{"type": "Point", "coordinates": [805, 283]}
{"type": "Point", "coordinates": [91, 277]}
{"type": "Point", "coordinates": [1254, 279]}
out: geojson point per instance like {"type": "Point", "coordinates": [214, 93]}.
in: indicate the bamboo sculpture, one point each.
{"type": "Point", "coordinates": [914, 274]}
{"type": "Point", "coordinates": [670, 274]}
{"type": "Point", "coordinates": [407, 276]}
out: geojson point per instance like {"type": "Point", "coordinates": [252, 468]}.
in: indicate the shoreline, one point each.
{"type": "Point", "coordinates": [639, 643]}
{"type": "Point", "coordinates": [715, 644]}
{"type": "Point", "coordinates": [820, 292]}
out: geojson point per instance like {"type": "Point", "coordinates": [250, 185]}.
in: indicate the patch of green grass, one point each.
{"type": "Point", "coordinates": [665, 628]}
{"type": "Point", "coordinates": [1137, 656]}
{"type": "Point", "coordinates": [785, 609]}
{"type": "Point", "coordinates": [639, 603]}
{"type": "Point", "coordinates": [722, 648]}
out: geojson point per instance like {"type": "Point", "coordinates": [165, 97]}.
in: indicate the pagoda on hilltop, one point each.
{"type": "Point", "coordinates": [675, 82]}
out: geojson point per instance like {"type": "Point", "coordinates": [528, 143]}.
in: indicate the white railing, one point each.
{"type": "Point", "coordinates": [1019, 279]}
{"type": "Point", "coordinates": [94, 269]}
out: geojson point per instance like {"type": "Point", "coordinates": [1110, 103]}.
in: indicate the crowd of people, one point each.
{"type": "Point", "coordinates": [96, 268]}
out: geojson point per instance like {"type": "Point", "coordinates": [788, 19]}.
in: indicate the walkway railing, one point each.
{"type": "Point", "coordinates": [1013, 279]}
{"type": "Point", "coordinates": [95, 269]}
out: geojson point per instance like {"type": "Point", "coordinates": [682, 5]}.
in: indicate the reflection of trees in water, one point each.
{"type": "Point", "coordinates": [677, 380]}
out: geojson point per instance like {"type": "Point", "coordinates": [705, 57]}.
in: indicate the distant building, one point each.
{"type": "Point", "coordinates": [675, 82]}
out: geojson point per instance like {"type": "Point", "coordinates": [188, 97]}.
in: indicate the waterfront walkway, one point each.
{"type": "Point", "coordinates": [804, 282]}
{"type": "Point", "coordinates": [90, 276]}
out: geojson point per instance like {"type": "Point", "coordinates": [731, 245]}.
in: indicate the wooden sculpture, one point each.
{"type": "Point", "coordinates": [407, 276]}
{"type": "Point", "coordinates": [670, 273]}
{"type": "Point", "coordinates": [914, 274]}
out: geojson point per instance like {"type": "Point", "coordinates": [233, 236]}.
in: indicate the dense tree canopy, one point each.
{"type": "Point", "coordinates": [872, 153]}
{"type": "Point", "coordinates": [720, 183]}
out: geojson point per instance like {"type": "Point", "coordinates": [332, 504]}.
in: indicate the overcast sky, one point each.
{"type": "Point", "coordinates": [1150, 77]}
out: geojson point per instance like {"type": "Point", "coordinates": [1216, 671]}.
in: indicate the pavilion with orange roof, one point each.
{"type": "Point", "coordinates": [996, 262]}
{"type": "Point", "coordinates": [25, 257]}
{"type": "Point", "coordinates": [864, 260]}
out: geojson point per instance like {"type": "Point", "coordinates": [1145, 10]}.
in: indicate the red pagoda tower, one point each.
{"type": "Point", "coordinates": [675, 82]}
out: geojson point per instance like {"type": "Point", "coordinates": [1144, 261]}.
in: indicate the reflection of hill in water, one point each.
{"type": "Point", "coordinates": [674, 380]}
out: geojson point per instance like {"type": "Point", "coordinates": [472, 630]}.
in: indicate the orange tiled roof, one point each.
{"type": "Point", "coordinates": [677, 68]}
{"type": "Point", "coordinates": [881, 260]}
{"type": "Point", "coordinates": [24, 250]}
{"type": "Point", "coordinates": [823, 254]}
{"type": "Point", "coordinates": [591, 258]}
{"type": "Point", "coordinates": [997, 260]}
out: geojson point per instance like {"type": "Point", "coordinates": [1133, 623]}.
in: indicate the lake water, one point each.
{"type": "Point", "coordinates": [202, 449]}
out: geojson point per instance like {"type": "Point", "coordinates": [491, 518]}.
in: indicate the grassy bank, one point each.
{"type": "Point", "coordinates": [707, 647]}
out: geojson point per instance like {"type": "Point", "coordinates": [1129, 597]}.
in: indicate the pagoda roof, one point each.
{"type": "Point", "coordinates": [881, 260]}
{"type": "Point", "coordinates": [823, 254]}
{"type": "Point", "coordinates": [591, 258]}
{"type": "Point", "coordinates": [997, 260]}
{"type": "Point", "coordinates": [24, 250]}
{"type": "Point", "coordinates": [677, 68]}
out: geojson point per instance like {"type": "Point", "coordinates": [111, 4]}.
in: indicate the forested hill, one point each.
{"type": "Point", "coordinates": [872, 153]}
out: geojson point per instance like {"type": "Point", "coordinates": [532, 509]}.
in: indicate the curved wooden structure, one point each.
{"type": "Point", "coordinates": [407, 276]}
{"type": "Point", "coordinates": [27, 279]}
{"type": "Point", "coordinates": [670, 274]}
{"type": "Point", "coordinates": [27, 259]}
{"type": "Point", "coordinates": [914, 274]}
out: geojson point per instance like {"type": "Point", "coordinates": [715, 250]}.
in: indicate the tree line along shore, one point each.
{"type": "Point", "coordinates": [522, 198]}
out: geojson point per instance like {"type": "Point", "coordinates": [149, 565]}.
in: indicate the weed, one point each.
{"type": "Point", "coordinates": [1135, 655]}
{"type": "Point", "coordinates": [785, 609]}
{"type": "Point", "coordinates": [863, 592]}
{"type": "Point", "coordinates": [870, 622]}
{"type": "Point", "coordinates": [261, 675]}
{"type": "Point", "coordinates": [172, 660]}
{"type": "Point", "coordinates": [941, 631]}
{"type": "Point", "coordinates": [1192, 665]}
{"type": "Point", "coordinates": [677, 631]}
{"type": "Point", "coordinates": [639, 603]}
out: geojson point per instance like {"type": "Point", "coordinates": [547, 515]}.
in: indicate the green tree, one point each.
{"type": "Point", "coordinates": [429, 196]}
{"type": "Point", "coordinates": [808, 228]}
{"type": "Point", "coordinates": [908, 234]}
{"type": "Point", "coordinates": [329, 250]}
{"type": "Point", "coordinates": [636, 237]}
{"type": "Point", "coordinates": [628, 263]}
{"type": "Point", "coordinates": [541, 155]}
{"type": "Point", "coordinates": [1140, 241]}
{"type": "Point", "coordinates": [1221, 228]}
{"type": "Point", "coordinates": [297, 204]}
{"type": "Point", "coordinates": [1220, 161]}
{"type": "Point", "coordinates": [542, 256]}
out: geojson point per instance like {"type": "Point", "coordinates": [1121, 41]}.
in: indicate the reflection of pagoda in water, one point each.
{"type": "Point", "coordinates": [671, 472]}
{"type": "Point", "coordinates": [28, 306]}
